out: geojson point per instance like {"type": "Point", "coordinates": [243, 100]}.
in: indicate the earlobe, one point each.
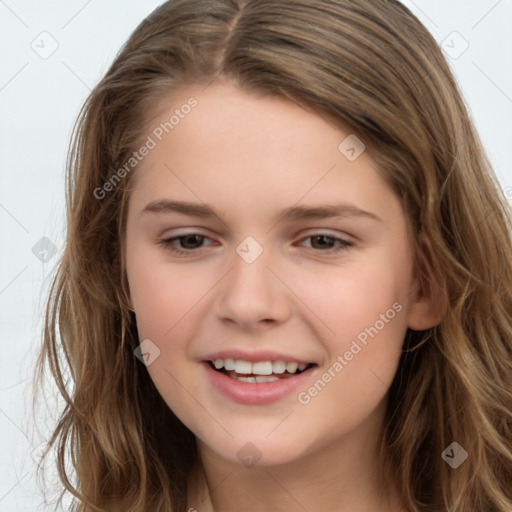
{"type": "Point", "coordinates": [425, 312]}
{"type": "Point", "coordinates": [429, 302]}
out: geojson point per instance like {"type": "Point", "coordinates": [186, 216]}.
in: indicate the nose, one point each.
{"type": "Point", "coordinates": [252, 295]}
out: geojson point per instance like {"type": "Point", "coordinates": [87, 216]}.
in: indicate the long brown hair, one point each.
{"type": "Point", "coordinates": [372, 65]}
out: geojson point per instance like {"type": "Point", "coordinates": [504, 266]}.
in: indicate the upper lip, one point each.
{"type": "Point", "coordinates": [256, 356]}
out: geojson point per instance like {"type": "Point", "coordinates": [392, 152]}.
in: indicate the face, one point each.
{"type": "Point", "coordinates": [269, 277]}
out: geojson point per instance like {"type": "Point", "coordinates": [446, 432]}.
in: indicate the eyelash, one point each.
{"type": "Point", "coordinates": [167, 243]}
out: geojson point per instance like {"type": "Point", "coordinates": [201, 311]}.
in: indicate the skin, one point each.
{"type": "Point", "coordinates": [249, 157]}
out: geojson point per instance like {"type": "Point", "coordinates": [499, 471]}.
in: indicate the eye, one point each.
{"type": "Point", "coordinates": [324, 241]}
{"type": "Point", "coordinates": [191, 242]}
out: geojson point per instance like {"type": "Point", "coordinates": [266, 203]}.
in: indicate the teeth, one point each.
{"type": "Point", "coordinates": [257, 380]}
{"type": "Point", "coordinates": [291, 367]}
{"type": "Point", "coordinates": [243, 367]}
{"type": "Point", "coordinates": [263, 368]}
{"type": "Point", "coordinates": [265, 378]}
{"type": "Point", "coordinates": [278, 367]}
{"type": "Point", "coordinates": [252, 380]}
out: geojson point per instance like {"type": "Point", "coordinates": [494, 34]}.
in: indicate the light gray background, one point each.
{"type": "Point", "coordinates": [39, 101]}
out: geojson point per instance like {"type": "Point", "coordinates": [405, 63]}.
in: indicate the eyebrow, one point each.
{"type": "Point", "coordinates": [294, 213]}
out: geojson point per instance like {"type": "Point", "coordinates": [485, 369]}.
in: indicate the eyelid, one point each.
{"type": "Point", "coordinates": [327, 232]}
{"type": "Point", "coordinates": [304, 234]}
{"type": "Point", "coordinates": [343, 243]}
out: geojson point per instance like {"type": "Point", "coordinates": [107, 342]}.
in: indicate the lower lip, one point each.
{"type": "Point", "coordinates": [255, 394]}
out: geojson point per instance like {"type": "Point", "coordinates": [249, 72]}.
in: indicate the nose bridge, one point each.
{"type": "Point", "coordinates": [250, 275]}
{"type": "Point", "coordinates": [251, 292]}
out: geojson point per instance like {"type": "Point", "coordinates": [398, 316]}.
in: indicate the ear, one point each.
{"type": "Point", "coordinates": [428, 303]}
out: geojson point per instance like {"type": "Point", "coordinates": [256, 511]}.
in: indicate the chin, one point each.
{"type": "Point", "coordinates": [258, 451]}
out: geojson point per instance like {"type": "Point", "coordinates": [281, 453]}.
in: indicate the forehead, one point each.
{"type": "Point", "coordinates": [221, 144]}
{"type": "Point", "coordinates": [224, 120]}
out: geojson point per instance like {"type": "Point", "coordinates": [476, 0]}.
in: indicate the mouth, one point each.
{"type": "Point", "coordinates": [259, 372]}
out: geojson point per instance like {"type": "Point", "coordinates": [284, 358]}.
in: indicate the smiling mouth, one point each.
{"type": "Point", "coordinates": [262, 372]}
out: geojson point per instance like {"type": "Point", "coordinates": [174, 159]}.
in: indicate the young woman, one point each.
{"type": "Point", "coordinates": [287, 283]}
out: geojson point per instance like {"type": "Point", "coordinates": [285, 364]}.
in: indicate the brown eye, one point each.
{"type": "Point", "coordinates": [322, 242]}
{"type": "Point", "coordinates": [327, 243]}
{"type": "Point", "coordinates": [189, 243]}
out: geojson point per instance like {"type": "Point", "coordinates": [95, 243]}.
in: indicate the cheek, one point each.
{"type": "Point", "coordinates": [163, 294]}
{"type": "Point", "coordinates": [362, 308]}
{"type": "Point", "coordinates": [170, 300]}
{"type": "Point", "coordinates": [351, 298]}
{"type": "Point", "coordinates": [365, 310]}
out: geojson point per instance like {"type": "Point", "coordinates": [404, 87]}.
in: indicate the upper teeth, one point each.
{"type": "Point", "coordinates": [259, 368]}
